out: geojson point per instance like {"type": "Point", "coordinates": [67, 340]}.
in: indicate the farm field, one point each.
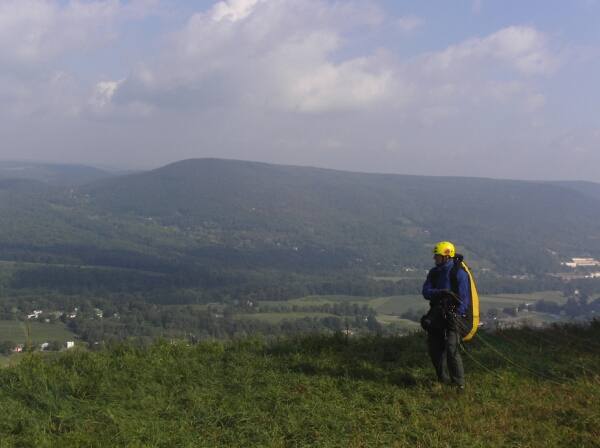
{"type": "Point", "coordinates": [385, 306]}
{"type": "Point", "coordinates": [275, 318]}
{"type": "Point", "coordinates": [16, 331]}
{"type": "Point", "coordinates": [503, 300]}
{"type": "Point", "coordinates": [397, 305]}
{"type": "Point", "coordinates": [404, 324]}
{"type": "Point", "coordinates": [303, 301]}
{"type": "Point", "coordinates": [321, 300]}
{"type": "Point", "coordinates": [389, 309]}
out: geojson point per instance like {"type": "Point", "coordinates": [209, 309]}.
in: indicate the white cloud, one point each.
{"type": "Point", "coordinates": [352, 85]}
{"type": "Point", "coordinates": [502, 92]}
{"type": "Point", "coordinates": [317, 82]}
{"type": "Point", "coordinates": [36, 32]}
{"type": "Point", "coordinates": [274, 55]}
{"type": "Point", "coordinates": [408, 24]}
{"type": "Point", "coordinates": [103, 93]}
{"type": "Point", "coordinates": [520, 48]}
{"type": "Point", "coordinates": [264, 54]}
{"type": "Point", "coordinates": [38, 36]}
{"type": "Point", "coordinates": [53, 94]}
{"type": "Point", "coordinates": [260, 65]}
{"type": "Point", "coordinates": [101, 105]}
{"type": "Point", "coordinates": [232, 10]}
{"type": "Point", "coordinates": [501, 68]}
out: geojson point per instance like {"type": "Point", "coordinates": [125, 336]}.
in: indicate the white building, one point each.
{"type": "Point", "coordinates": [582, 262]}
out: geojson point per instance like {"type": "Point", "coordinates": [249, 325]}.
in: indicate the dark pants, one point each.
{"type": "Point", "coordinates": [444, 350]}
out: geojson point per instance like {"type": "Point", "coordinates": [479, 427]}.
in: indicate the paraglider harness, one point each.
{"type": "Point", "coordinates": [442, 312]}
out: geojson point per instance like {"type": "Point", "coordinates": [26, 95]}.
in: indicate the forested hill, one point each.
{"type": "Point", "coordinates": [386, 219]}
{"type": "Point", "coordinates": [246, 215]}
{"type": "Point", "coordinates": [590, 188]}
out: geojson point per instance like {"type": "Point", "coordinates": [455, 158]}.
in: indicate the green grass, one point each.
{"type": "Point", "coordinates": [404, 324]}
{"type": "Point", "coordinates": [503, 300]}
{"type": "Point", "coordinates": [45, 332]}
{"type": "Point", "coordinates": [40, 332]}
{"type": "Point", "coordinates": [397, 305]}
{"type": "Point", "coordinates": [13, 330]}
{"type": "Point", "coordinates": [325, 391]}
{"type": "Point", "coordinates": [401, 304]}
{"type": "Point", "coordinates": [275, 318]}
{"type": "Point", "coordinates": [389, 308]}
{"type": "Point", "coordinates": [303, 301]}
{"type": "Point", "coordinates": [312, 300]}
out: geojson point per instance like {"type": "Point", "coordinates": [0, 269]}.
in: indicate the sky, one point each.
{"type": "Point", "coordinates": [482, 88]}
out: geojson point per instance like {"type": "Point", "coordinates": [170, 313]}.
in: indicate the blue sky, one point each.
{"type": "Point", "coordinates": [486, 88]}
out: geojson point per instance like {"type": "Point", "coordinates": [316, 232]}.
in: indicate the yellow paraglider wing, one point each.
{"type": "Point", "coordinates": [474, 304]}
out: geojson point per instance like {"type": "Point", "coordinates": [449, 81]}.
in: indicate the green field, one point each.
{"type": "Point", "coordinates": [303, 301]}
{"type": "Point", "coordinates": [320, 300]}
{"type": "Point", "coordinates": [275, 318]}
{"type": "Point", "coordinates": [383, 305]}
{"type": "Point", "coordinates": [402, 323]}
{"type": "Point", "coordinates": [503, 300]}
{"type": "Point", "coordinates": [396, 305]}
{"type": "Point", "coordinates": [390, 308]}
{"type": "Point", "coordinates": [16, 331]}
{"type": "Point", "coordinates": [13, 330]}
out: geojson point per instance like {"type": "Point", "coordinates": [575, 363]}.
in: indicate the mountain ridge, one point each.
{"type": "Point", "coordinates": [233, 193]}
{"type": "Point", "coordinates": [254, 215]}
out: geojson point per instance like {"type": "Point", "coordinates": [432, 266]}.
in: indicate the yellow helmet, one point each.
{"type": "Point", "coordinates": [444, 248]}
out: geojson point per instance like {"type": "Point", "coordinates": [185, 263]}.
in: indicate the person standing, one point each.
{"type": "Point", "coordinates": [448, 293]}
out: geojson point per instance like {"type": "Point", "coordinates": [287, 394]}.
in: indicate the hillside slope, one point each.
{"type": "Point", "coordinates": [246, 215]}
{"type": "Point", "coordinates": [384, 219]}
{"type": "Point", "coordinates": [325, 391]}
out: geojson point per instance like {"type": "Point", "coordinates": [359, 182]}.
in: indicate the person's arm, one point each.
{"type": "Point", "coordinates": [430, 292]}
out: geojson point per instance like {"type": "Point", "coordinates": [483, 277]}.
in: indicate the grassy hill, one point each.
{"type": "Point", "coordinates": [528, 387]}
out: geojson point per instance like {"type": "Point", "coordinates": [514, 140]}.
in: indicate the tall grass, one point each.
{"type": "Point", "coordinates": [525, 387]}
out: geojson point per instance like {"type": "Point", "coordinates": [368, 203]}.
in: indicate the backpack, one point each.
{"type": "Point", "coordinates": [439, 316]}
{"type": "Point", "coordinates": [472, 316]}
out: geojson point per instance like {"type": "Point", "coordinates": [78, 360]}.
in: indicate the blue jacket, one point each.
{"type": "Point", "coordinates": [438, 279]}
